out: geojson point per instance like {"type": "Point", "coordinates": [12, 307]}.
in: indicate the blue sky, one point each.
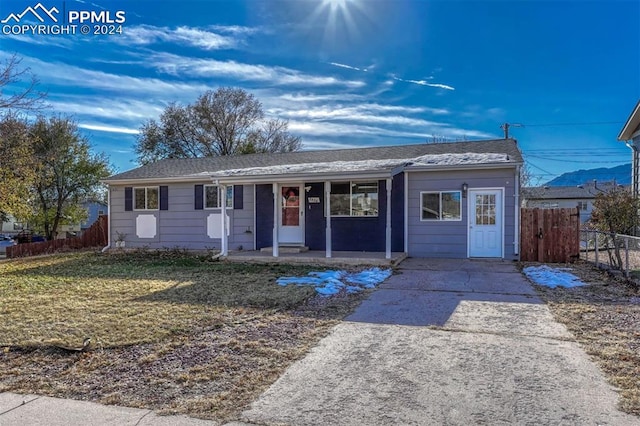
{"type": "Point", "coordinates": [349, 73]}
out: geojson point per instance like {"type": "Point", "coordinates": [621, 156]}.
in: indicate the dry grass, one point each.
{"type": "Point", "coordinates": [174, 333]}
{"type": "Point", "coordinates": [605, 318]}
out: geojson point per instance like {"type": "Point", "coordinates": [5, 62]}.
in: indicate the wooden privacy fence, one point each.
{"type": "Point", "coordinates": [550, 235]}
{"type": "Point", "coordinates": [95, 236]}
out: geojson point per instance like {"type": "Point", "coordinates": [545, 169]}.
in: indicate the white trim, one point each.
{"type": "Point", "coordinates": [133, 198]}
{"type": "Point", "coordinates": [204, 196]}
{"type": "Point", "coordinates": [516, 218]}
{"type": "Point", "coordinates": [406, 212]}
{"type": "Point", "coordinates": [633, 120]}
{"type": "Point", "coordinates": [224, 240]}
{"type": "Point", "coordinates": [255, 230]}
{"type": "Point", "coordinates": [351, 184]}
{"type": "Point", "coordinates": [301, 210]}
{"type": "Point", "coordinates": [440, 192]}
{"type": "Point", "coordinates": [109, 228]}
{"type": "Point", "coordinates": [502, 191]}
{"type": "Point", "coordinates": [327, 212]}
{"type": "Point", "coordinates": [276, 208]}
{"type": "Point", "coordinates": [388, 226]}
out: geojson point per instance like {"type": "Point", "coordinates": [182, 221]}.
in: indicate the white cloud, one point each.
{"type": "Point", "coordinates": [109, 129]}
{"type": "Point", "coordinates": [123, 109]}
{"type": "Point", "coordinates": [364, 113]}
{"type": "Point", "coordinates": [186, 66]}
{"type": "Point", "coordinates": [316, 144]}
{"type": "Point", "coordinates": [190, 36]}
{"type": "Point", "coordinates": [314, 130]}
{"type": "Point", "coordinates": [425, 83]}
{"type": "Point", "coordinates": [349, 67]}
{"type": "Point", "coordinates": [73, 76]}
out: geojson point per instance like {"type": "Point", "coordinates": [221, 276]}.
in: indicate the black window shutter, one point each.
{"type": "Point", "coordinates": [128, 199]}
{"type": "Point", "coordinates": [198, 197]}
{"type": "Point", "coordinates": [237, 197]}
{"type": "Point", "coordinates": [164, 198]}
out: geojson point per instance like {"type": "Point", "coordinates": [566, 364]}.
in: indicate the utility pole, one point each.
{"type": "Point", "coordinates": [505, 128]}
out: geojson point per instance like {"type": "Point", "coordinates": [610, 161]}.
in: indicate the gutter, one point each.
{"type": "Point", "coordinates": [108, 246]}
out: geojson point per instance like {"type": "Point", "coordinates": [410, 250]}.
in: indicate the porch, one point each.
{"type": "Point", "coordinates": [318, 257]}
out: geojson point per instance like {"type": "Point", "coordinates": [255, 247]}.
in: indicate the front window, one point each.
{"type": "Point", "coordinates": [146, 198]}
{"type": "Point", "coordinates": [445, 205]}
{"type": "Point", "coordinates": [354, 199]}
{"type": "Point", "coordinates": [213, 197]}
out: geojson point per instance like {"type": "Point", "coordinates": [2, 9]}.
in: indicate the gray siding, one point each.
{"type": "Point", "coordinates": [449, 238]}
{"type": "Point", "coordinates": [181, 225]}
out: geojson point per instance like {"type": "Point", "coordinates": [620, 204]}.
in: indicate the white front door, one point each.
{"type": "Point", "coordinates": [291, 220]}
{"type": "Point", "coordinates": [485, 223]}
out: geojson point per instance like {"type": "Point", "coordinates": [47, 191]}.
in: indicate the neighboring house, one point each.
{"type": "Point", "coordinates": [11, 226]}
{"type": "Point", "coordinates": [452, 200]}
{"type": "Point", "coordinates": [94, 209]}
{"type": "Point", "coordinates": [630, 134]}
{"type": "Point", "coordinates": [553, 197]}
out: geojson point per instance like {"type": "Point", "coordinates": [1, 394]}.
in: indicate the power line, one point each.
{"type": "Point", "coordinates": [573, 161]}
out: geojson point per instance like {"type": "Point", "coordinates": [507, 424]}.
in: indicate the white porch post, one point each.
{"type": "Point", "coordinates": [406, 212]}
{"type": "Point", "coordinates": [388, 233]}
{"type": "Point", "coordinates": [224, 241]}
{"type": "Point", "coordinates": [276, 210]}
{"type": "Point", "coordinates": [327, 203]}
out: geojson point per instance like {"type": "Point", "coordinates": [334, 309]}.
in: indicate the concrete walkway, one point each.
{"type": "Point", "coordinates": [33, 410]}
{"type": "Point", "coordinates": [446, 342]}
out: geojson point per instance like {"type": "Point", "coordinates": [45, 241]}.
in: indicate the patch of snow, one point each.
{"type": "Point", "coordinates": [331, 282]}
{"type": "Point", "coordinates": [367, 165]}
{"type": "Point", "coordinates": [552, 277]}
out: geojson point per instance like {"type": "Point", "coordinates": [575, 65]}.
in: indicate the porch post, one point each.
{"type": "Point", "coordinates": [276, 208]}
{"type": "Point", "coordinates": [388, 233]}
{"type": "Point", "coordinates": [224, 241]}
{"type": "Point", "coordinates": [327, 203]}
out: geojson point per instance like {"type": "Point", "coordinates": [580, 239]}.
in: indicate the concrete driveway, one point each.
{"type": "Point", "coordinates": [445, 342]}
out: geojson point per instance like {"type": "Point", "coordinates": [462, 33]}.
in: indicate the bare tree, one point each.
{"type": "Point", "coordinates": [228, 121]}
{"type": "Point", "coordinates": [273, 136]}
{"type": "Point", "coordinates": [25, 97]}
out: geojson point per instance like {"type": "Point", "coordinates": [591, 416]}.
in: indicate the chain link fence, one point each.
{"type": "Point", "coordinates": [610, 251]}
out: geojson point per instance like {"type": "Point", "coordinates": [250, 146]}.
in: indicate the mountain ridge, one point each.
{"type": "Point", "coordinates": [621, 174]}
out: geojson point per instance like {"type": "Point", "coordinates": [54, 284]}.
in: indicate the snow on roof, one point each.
{"type": "Point", "coordinates": [468, 158]}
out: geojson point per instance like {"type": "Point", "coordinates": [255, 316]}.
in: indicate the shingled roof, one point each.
{"type": "Point", "coordinates": [179, 168]}
{"type": "Point", "coordinates": [581, 192]}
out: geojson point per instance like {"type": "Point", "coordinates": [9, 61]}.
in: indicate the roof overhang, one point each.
{"type": "Point", "coordinates": [303, 177]}
{"type": "Point", "coordinates": [510, 165]}
{"type": "Point", "coordinates": [157, 180]}
{"type": "Point", "coordinates": [632, 125]}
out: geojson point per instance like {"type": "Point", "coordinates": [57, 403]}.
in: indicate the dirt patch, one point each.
{"type": "Point", "coordinates": [604, 316]}
{"type": "Point", "coordinates": [173, 334]}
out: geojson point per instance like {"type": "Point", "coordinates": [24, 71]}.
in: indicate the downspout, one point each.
{"type": "Point", "coordinates": [108, 246]}
{"type": "Point", "coordinates": [516, 241]}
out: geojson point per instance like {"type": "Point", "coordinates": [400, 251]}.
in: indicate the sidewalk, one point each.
{"type": "Point", "coordinates": [33, 410]}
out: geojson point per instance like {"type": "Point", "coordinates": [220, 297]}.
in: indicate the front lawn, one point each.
{"type": "Point", "coordinates": [169, 331]}
{"type": "Point", "coordinates": [604, 315]}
